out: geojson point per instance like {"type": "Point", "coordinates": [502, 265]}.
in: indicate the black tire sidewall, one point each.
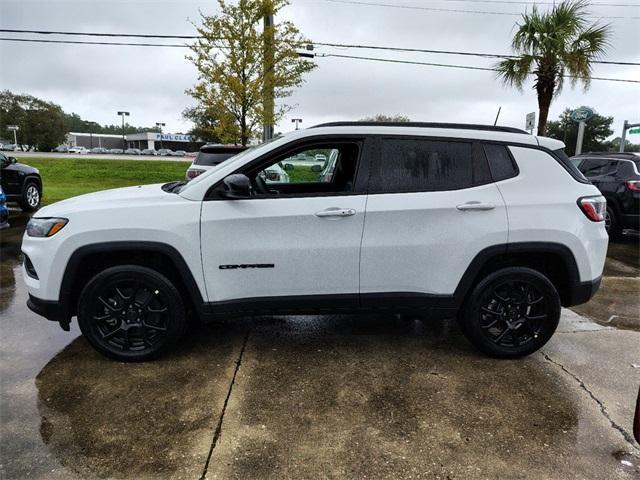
{"type": "Point", "coordinates": [469, 321]}
{"type": "Point", "coordinates": [177, 319]}
{"type": "Point", "coordinates": [614, 226]}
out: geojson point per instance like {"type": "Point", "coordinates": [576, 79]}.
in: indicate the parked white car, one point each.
{"type": "Point", "coordinates": [487, 224]}
{"type": "Point", "coordinates": [80, 150]}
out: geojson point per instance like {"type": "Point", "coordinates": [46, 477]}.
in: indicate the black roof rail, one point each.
{"type": "Point", "coordinates": [464, 126]}
{"type": "Point", "coordinates": [609, 154]}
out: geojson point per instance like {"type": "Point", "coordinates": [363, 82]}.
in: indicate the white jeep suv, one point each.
{"type": "Point", "coordinates": [489, 224]}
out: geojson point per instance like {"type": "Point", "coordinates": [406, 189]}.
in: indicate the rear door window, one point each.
{"type": "Point", "coordinates": [414, 165]}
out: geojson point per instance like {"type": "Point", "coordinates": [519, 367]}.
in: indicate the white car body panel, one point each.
{"type": "Point", "coordinates": [550, 213]}
{"type": "Point", "coordinates": [310, 255]}
{"type": "Point", "coordinates": [125, 214]}
{"type": "Point", "coordinates": [420, 242]}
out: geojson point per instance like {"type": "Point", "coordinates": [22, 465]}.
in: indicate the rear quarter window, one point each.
{"type": "Point", "coordinates": [500, 162]}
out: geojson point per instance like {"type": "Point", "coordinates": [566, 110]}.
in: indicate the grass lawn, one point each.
{"type": "Point", "coordinates": [67, 177]}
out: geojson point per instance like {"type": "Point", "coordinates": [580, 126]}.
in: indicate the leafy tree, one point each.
{"type": "Point", "coordinates": [41, 124]}
{"type": "Point", "coordinates": [596, 131]}
{"type": "Point", "coordinates": [230, 59]}
{"type": "Point", "coordinates": [552, 45]}
{"type": "Point", "coordinates": [613, 145]}
{"type": "Point", "coordinates": [381, 117]}
{"type": "Point", "coordinates": [205, 124]}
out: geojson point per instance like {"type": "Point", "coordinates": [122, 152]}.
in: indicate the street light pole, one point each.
{"type": "Point", "coordinates": [267, 93]}
{"type": "Point", "coordinates": [160, 125]}
{"type": "Point", "coordinates": [123, 114]}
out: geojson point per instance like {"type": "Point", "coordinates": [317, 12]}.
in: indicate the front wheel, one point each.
{"type": "Point", "coordinates": [31, 196]}
{"type": "Point", "coordinates": [511, 313]}
{"type": "Point", "coordinates": [131, 313]}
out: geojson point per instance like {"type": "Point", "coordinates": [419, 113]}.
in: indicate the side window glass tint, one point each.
{"type": "Point", "coordinates": [409, 165]}
{"type": "Point", "coordinates": [593, 167]}
{"type": "Point", "coordinates": [500, 162]}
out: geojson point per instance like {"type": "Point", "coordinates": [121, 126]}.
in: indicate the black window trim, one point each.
{"type": "Point", "coordinates": [359, 183]}
{"type": "Point", "coordinates": [477, 153]}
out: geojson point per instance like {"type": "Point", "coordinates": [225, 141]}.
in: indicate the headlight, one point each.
{"type": "Point", "coordinates": [45, 227]}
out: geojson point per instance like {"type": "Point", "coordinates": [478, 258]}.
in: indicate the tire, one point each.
{"type": "Point", "coordinates": [131, 313]}
{"type": "Point", "coordinates": [612, 224]}
{"type": "Point", "coordinates": [31, 196]}
{"type": "Point", "coordinates": [527, 312]}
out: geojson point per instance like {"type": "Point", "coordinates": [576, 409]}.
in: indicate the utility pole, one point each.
{"type": "Point", "coordinates": [268, 54]}
{"type": "Point", "coordinates": [160, 125]}
{"type": "Point", "coordinates": [625, 127]}
{"type": "Point", "coordinates": [123, 114]}
{"type": "Point", "coordinates": [296, 121]}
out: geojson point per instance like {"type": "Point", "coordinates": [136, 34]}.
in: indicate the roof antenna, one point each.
{"type": "Point", "coordinates": [496, 121]}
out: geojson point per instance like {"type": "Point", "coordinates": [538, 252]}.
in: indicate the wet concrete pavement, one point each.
{"type": "Point", "coordinates": [309, 397]}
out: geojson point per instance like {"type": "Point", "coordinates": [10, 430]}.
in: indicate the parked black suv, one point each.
{"type": "Point", "coordinates": [21, 183]}
{"type": "Point", "coordinates": [617, 176]}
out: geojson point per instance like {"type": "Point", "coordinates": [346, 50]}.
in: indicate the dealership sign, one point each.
{"type": "Point", "coordinates": [167, 137]}
{"type": "Point", "coordinates": [581, 114]}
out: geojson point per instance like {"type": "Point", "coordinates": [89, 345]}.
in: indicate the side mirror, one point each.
{"type": "Point", "coordinates": [316, 168]}
{"type": "Point", "coordinates": [237, 186]}
{"type": "Point", "coordinates": [12, 160]}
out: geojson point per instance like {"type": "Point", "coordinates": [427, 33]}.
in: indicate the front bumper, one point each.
{"type": "Point", "coordinates": [51, 310]}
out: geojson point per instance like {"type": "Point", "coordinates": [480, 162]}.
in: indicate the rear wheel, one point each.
{"type": "Point", "coordinates": [511, 313]}
{"type": "Point", "coordinates": [131, 313]}
{"type": "Point", "coordinates": [612, 224]}
{"type": "Point", "coordinates": [31, 196]}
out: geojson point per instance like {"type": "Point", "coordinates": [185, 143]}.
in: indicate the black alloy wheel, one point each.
{"type": "Point", "coordinates": [511, 313]}
{"type": "Point", "coordinates": [131, 313]}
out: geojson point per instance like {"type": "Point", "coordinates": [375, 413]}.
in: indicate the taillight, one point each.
{"type": "Point", "coordinates": [634, 185]}
{"type": "Point", "coordinates": [193, 173]}
{"type": "Point", "coordinates": [593, 207]}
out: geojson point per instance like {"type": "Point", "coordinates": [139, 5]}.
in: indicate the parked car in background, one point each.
{"type": "Point", "coordinates": [149, 151]}
{"type": "Point", "coordinates": [457, 226]}
{"type": "Point", "coordinates": [9, 147]}
{"type": "Point", "coordinates": [211, 155]}
{"type": "Point", "coordinates": [61, 149]}
{"type": "Point", "coordinates": [132, 151]}
{"type": "Point", "coordinates": [99, 150]}
{"type": "Point", "coordinates": [78, 149]}
{"type": "Point", "coordinates": [4, 211]}
{"type": "Point", "coordinates": [617, 177]}
{"type": "Point", "coordinates": [164, 152]}
{"type": "Point", "coordinates": [178, 153]}
{"type": "Point", "coordinates": [116, 151]}
{"type": "Point", "coordinates": [21, 183]}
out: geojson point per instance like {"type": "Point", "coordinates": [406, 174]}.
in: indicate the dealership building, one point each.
{"type": "Point", "coordinates": [143, 140]}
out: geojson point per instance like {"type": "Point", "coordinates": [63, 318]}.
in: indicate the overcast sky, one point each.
{"type": "Point", "coordinates": [96, 81]}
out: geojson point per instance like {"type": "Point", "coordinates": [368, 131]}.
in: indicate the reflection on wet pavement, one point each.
{"type": "Point", "coordinates": [300, 397]}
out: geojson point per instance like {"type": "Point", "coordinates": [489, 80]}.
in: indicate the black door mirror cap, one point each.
{"type": "Point", "coordinates": [237, 186]}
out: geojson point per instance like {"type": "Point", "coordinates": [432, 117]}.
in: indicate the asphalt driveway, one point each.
{"type": "Point", "coordinates": [315, 397]}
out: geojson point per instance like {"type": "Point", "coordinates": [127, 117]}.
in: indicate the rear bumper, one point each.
{"type": "Point", "coordinates": [583, 292]}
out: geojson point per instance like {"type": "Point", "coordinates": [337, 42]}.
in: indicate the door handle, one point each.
{"type": "Point", "coordinates": [475, 206]}
{"type": "Point", "coordinates": [336, 212]}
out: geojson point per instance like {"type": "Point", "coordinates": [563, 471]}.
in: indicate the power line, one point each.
{"type": "Point", "coordinates": [193, 37]}
{"type": "Point", "coordinates": [517, 2]}
{"type": "Point", "coordinates": [386, 60]}
{"type": "Point", "coordinates": [449, 10]}
{"type": "Point", "coordinates": [81, 42]}
{"type": "Point", "coordinates": [465, 67]}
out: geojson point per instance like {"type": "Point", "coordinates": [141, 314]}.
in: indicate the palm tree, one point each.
{"type": "Point", "coordinates": [552, 46]}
